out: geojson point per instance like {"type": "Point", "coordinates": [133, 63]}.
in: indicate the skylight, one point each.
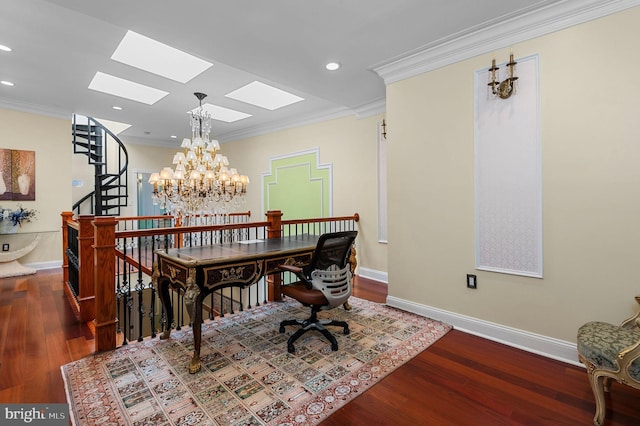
{"type": "Point", "coordinates": [158, 58]}
{"type": "Point", "coordinates": [223, 114]}
{"type": "Point", "coordinates": [263, 95]}
{"type": "Point", "coordinates": [126, 89]}
{"type": "Point", "coordinates": [114, 126]}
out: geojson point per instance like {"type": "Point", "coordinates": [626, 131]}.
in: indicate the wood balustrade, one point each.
{"type": "Point", "coordinates": [98, 256]}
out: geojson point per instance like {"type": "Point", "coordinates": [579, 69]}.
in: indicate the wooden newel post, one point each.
{"type": "Point", "coordinates": [274, 230]}
{"type": "Point", "coordinates": [86, 290]}
{"type": "Point", "coordinates": [66, 217]}
{"type": "Point", "coordinates": [104, 262]}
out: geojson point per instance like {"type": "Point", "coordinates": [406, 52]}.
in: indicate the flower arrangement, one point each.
{"type": "Point", "coordinates": [18, 216]}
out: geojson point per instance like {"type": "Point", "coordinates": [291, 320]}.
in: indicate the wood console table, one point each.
{"type": "Point", "coordinates": [201, 270]}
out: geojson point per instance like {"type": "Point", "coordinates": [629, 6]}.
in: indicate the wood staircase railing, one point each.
{"type": "Point", "coordinates": [97, 249]}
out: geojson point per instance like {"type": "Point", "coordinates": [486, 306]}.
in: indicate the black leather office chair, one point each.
{"type": "Point", "coordinates": [324, 284]}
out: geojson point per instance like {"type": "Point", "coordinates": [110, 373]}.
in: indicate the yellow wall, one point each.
{"type": "Point", "coordinates": [145, 159]}
{"type": "Point", "coordinates": [591, 182]}
{"type": "Point", "coordinates": [142, 158]}
{"type": "Point", "coordinates": [591, 185]}
{"type": "Point", "coordinates": [50, 138]}
{"type": "Point", "coordinates": [350, 144]}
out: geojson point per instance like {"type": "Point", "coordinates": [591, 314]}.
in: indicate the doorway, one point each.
{"type": "Point", "coordinates": [144, 198]}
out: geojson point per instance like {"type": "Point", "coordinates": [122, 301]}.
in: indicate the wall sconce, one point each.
{"type": "Point", "coordinates": [503, 89]}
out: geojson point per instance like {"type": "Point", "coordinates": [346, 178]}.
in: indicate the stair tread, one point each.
{"type": "Point", "coordinates": [90, 139]}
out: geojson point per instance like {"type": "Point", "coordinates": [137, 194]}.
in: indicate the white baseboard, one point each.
{"type": "Point", "coordinates": [542, 345]}
{"type": "Point", "coordinates": [373, 274]}
{"type": "Point", "coordinates": [45, 265]}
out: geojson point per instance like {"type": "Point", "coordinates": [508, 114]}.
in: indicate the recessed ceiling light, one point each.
{"type": "Point", "coordinates": [126, 89]}
{"type": "Point", "coordinates": [263, 95]}
{"type": "Point", "coordinates": [332, 66]}
{"type": "Point", "coordinates": [174, 137]}
{"type": "Point", "coordinates": [5, 48]}
{"type": "Point", "coordinates": [158, 58]}
{"type": "Point", "coordinates": [6, 83]}
{"type": "Point", "coordinates": [221, 113]}
{"type": "Point", "coordinates": [117, 108]}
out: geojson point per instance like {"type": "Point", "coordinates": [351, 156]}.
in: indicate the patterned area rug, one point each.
{"type": "Point", "coordinates": [248, 377]}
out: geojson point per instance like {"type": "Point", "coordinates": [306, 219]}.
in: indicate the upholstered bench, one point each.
{"type": "Point", "coordinates": [610, 352]}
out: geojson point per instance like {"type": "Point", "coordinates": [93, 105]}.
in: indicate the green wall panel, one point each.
{"type": "Point", "coordinates": [298, 186]}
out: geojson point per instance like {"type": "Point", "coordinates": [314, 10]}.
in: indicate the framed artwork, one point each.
{"type": "Point", "coordinates": [17, 175]}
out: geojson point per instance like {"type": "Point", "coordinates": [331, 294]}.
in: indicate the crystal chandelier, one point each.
{"type": "Point", "coordinates": [202, 182]}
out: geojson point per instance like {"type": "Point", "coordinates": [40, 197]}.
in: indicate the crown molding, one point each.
{"type": "Point", "coordinates": [157, 143]}
{"type": "Point", "coordinates": [376, 107]}
{"type": "Point", "coordinates": [372, 108]}
{"type": "Point", "coordinates": [498, 34]}
{"type": "Point", "coordinates": [326, 115]}
{"type": "Point", "coordinates": [34, 109]}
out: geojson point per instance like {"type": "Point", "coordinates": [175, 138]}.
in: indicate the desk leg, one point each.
{"type": "Point", "coordinates": [195, 365]}
{"type": "Point", "coordinates": [165, 298]}
{"type": "Point", "coordinates": [193, 300]}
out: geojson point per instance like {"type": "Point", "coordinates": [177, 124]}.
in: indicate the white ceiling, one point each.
{"type": "Point", "coordinates": [59, 45]}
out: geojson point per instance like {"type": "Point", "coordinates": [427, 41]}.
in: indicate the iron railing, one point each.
{"type": "Point", "coordinates": [137, 311]}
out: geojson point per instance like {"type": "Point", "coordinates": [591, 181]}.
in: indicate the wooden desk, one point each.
{"type": "Point", "coordinates": [201, 270]}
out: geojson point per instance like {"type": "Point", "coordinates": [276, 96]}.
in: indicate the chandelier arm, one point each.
{"type": "Point", "coordinates": [203, 182]}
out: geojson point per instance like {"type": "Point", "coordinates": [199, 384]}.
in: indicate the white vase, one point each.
{"type": "Point", "coordinates": [24, 182]}
{"type": "Point", "coordinates": [7, 227]}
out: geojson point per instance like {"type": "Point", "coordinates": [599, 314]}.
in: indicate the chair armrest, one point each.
{"type": "Point", "coordinates": [299, 273]}
{"type": "Point", "coordinates": [625, 359]}
{"type": "Point", "coordinates": [634, 321]}
{"type": "Point", "coordinates": [290, 268]}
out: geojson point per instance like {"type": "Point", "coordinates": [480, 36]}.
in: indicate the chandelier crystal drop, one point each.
{"type": "Point", "coordinates": [202, 182]}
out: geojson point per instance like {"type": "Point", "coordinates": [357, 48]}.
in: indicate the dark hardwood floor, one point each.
{"type": "Point", "coordinates": [459, 380]}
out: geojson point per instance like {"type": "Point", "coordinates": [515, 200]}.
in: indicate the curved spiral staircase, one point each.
{"type": "Point", "coordinates": [109, 157]}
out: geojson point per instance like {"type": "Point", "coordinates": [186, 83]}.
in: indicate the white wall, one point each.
{"type": "Point", "coordinates": [591, 185]}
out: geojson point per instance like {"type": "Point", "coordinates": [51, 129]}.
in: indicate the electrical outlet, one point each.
{"type": "Point", "coordinates": [472, 281]}
{"type": "Point", "coordinates": [5, 247]}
